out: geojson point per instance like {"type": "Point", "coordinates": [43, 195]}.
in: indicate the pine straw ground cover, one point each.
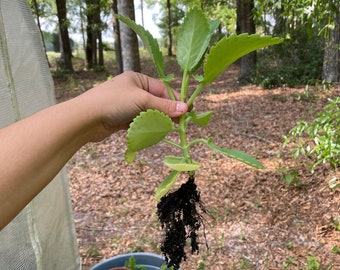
{"type": "Point", "coordinates": [257, 220]}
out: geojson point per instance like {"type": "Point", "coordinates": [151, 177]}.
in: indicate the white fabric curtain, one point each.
{"type": "Point", "coordinates": [42, 236]}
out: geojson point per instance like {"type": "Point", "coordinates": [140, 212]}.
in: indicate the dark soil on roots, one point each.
{"type": "Point", "coordinates": [180, 220]}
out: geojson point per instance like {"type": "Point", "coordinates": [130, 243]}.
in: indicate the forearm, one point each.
{"type": "Point", "coordinates": [35, 149]}
{"type": "Point", "coordinates": [32, 151]}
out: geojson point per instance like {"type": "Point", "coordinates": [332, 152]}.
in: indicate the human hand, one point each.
{"type": "Point", "coordinates": [122, 98]}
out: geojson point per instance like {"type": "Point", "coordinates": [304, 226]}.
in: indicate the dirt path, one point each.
{"type": "Point", "coordinates": [257, 220]}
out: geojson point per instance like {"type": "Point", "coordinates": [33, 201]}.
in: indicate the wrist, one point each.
{"type": "Point", "coordinates": [90, 112]}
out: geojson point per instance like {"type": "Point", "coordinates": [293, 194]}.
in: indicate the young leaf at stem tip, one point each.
{"type": "Point", "coordinates": [193, 41]}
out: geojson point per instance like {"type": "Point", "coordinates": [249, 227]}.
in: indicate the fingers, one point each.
{"type": "Point", "coordinates": [158, 98]}
{"type": "Point", "coordinates": [172, 108]}
{"type": "Point", "coordinates": [154, 86]}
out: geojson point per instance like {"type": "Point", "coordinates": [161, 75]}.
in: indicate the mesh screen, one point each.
{"type": "Point", "coordinates": [42, 236]}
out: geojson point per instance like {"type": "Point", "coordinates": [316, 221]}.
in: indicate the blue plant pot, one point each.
{"type": "Point", "coordinates": [148, 260]}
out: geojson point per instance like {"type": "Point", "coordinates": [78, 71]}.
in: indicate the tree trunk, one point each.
{"type": "Point", "coordinates": [36, 9]}
{"type": "Point", "coordinates": [82, 27]}
{"type": "Point", "coordinates": [116, 36]}
{"type": "Point", "coordinates": [129, 41]}
{"type": "Point", "coordinates": [91, 44]}
{"type": "Point", "coordinates": [99, 55]}
{"type": "Point", "coordinates": [94, 47]}
{"type": "Point", "coordinates": [246, 24]}
{"type": "Point", "coordinates": [169, 28]}
{"type": "Point", "coordinates": [331, 62]}
{"type": "Point", "coordinates": [100, 50]}
{"type": "Point", "coordinates": [65, 40]}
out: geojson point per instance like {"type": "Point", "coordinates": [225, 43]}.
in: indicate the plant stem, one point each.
{"type": "Point", "coordinates": [168, 88]}
{"type": "Point", "coordinates": [172, 143]}
{"type": "Point", "coordinates": [183, 138]}
{"type": "Point", "coordinates": [196, 141]}
{"type": "Point", "coordinates": [184, 87]}
{"type": "Point", "coordinates": [182, 118]}
{"type": "Point", "coordinates": [195, 94]}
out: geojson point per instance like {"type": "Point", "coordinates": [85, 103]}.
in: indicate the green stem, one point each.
{"type": "Point", "coordinates": [172, 143]}
{"type": "Point", "coordinates": [184, 87]}
{"type": "Point", "coordinates": [195, 94]}
{"type": "Point", "coordinates": [182, 118]}
{"type": "Point", "coordinates": [183, 138]}
{"type": "Point", "coordinates": [196, 141]}
{"type": "Point", "coordinates": [168, 88]}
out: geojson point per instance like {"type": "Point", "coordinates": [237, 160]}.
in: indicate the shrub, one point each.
{"type": "Point", "coordinates": [297, 61]}
{"type": "Point", "coordinates": [319, 140]}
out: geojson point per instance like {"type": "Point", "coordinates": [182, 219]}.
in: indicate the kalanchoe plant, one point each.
{"type": "Point", "coordinates": [153, 126]}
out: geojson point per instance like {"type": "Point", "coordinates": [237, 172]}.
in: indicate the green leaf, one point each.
{"type": "Point", "coordinates": [166, 185]}
{"type": "Point", "coordinates": [149, 41]}
{"type": "Point", "coordinates": [147, 129]}
{"type": "Point", "coordinates": [179, 164]}
{"type": "Point", "coordinates": [237, 154]}
{"type": "Point", "coordinates": [168, 78]}
{"type": "Point", "coordinates": [198, 78]}
{"type": "Point", "coordinates": [201, 119]}
{"type": "Point", "coordinates": [213, 26]}
{"type": "Point", "coordinates": [229, 49]}
{"type": "Point", "coordinates": [193, 41]}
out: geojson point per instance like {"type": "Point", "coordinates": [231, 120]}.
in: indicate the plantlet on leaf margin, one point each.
{"type": "Point", "coordinates": [153, 126]}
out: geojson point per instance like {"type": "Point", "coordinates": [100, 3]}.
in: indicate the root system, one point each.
{"type": "Point", "coordinates": [179, 216]}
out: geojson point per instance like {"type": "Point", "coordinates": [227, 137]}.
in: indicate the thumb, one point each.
{"type": "Point", "coordinates": [170, 107]}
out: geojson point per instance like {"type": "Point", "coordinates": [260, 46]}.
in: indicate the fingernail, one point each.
{"type": "Point", "coordinates": [181, 107]}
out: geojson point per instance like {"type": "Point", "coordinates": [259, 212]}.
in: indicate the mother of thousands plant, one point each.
{"type": "Point", "coordinates": [177, 211]}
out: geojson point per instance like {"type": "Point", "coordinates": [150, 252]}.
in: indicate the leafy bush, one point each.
{"type": "Point", "coordinates": [319, 140]}
{"type": "Point", "coordinates": [297, 61]}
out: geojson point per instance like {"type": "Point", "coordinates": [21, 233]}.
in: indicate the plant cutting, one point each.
{"type": "Point", "coordinates": [178, 211]}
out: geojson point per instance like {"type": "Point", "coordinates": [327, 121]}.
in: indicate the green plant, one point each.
{"type": "Point", "coordinates": [131, 264]}
{"type": "Point", "coordinates": [289, 176]}
{"type": "Point", "coordinates": [178, 213]}
{"type": "Point", "coordinates": [336, 223]}
{"type": "Point", "coordinates": [289, 262]}
{"type": "Point", "coordinates": [242, 264]}
{"type": "Point", "coordinates": [312, 263]}
{"type": "Point", "coordinates": [336, 250]}
{"type": "Point", "coordinates": [319, 140]}
{"type": "Point", "coordinates": [289, 245]}
{"type": "Point", "coordinates": [334, 183]}
{"type": "Point", "coordinates": [152, 126]}
{"type": "Point", "coordinates": [165, 267]}
{"type": "Point", "coordinates": [92, 251]}
{"type": "Point", "coordinates": [289, 63]}
{"type": "Point", "coordinates": [201, 266]}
